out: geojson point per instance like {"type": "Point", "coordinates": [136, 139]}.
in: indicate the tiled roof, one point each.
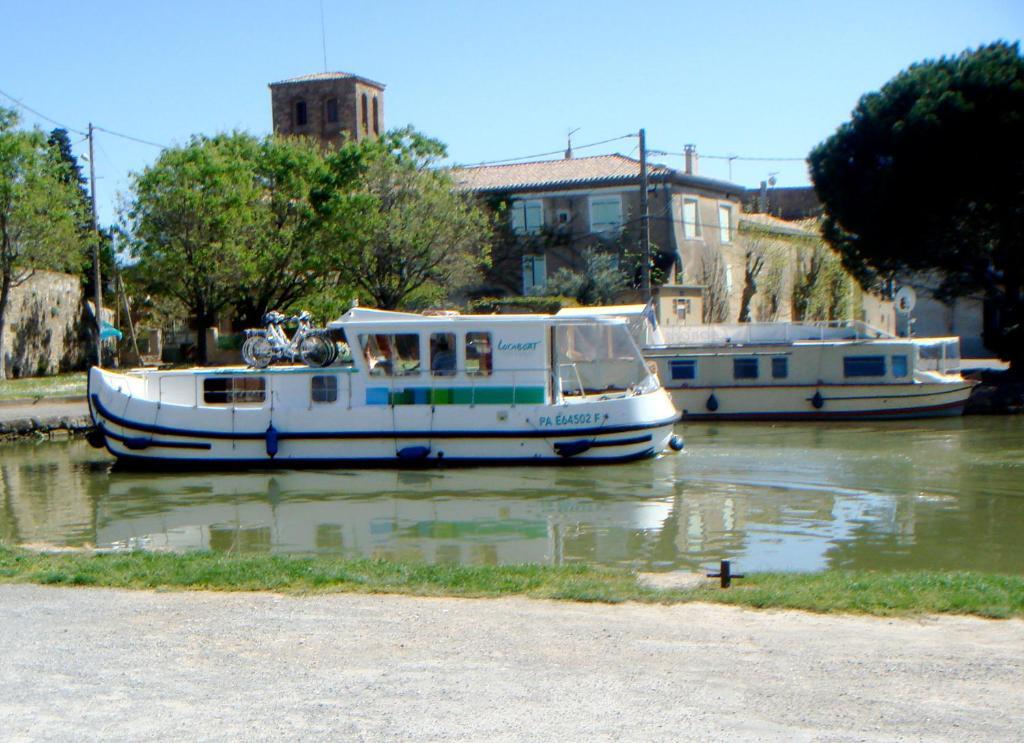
{"type": "Point", "coordinates": [551, 173]}
{"type": "Point", "coordinates": [326, 76]}
{"type": "Point", "coordinates": [600, 170]}
{"type": "Point", "coordinates": [781, 226]}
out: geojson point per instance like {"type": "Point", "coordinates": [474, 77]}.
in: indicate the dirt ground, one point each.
{"type": "Point", "coordinates": [96, 664]}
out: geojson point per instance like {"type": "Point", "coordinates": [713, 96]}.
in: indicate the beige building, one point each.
{"type": "Point", "coordinates": [557, 209]}
{"type": "Point", "coordinates": [328, 105]}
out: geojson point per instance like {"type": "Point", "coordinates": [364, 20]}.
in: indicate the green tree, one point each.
{"type": "Point", "coordinates": [601, 282]}
{"type": "Point", "coordinates": [191, 221]}
{"type": "Point", "coordinates": [72, 175]}
{"type": "Point", "coordinates": [40, 212]}
{"type": "Point", "coordinates": [419, 238]}
{"type": "Point", "coordinates": [308, 217]}
{"type": "Point", "coordinates": [235, 222]}
{"type": "Point", "coordinates": [928, 175]}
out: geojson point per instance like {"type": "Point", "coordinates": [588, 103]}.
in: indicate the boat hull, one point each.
{"type": "Point", "coordinates": [145, 432]}
{"type": "Point", "coordinates": [822, 402]}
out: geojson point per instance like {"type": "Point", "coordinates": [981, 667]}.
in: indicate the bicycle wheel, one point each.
{"type": "Point", "coordinates": [260, 352]}
{"type": "Point", "coordinates": [247, 356]}
{"type": "Point", "coordinates": [315, 350]}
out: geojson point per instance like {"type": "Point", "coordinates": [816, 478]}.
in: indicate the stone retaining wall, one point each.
{"type": "Point", "coordinates": [43, 333]}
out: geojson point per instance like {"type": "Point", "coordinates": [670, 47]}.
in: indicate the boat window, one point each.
{"type": "Point", "coordinates": [780, 367]}
{"type": "Point", "coordinates": [745, 368]}
{"type": "Point", "coordinates": [478, 354]}
{"type": "Point", "coordinates": [864, 366]}
{"type": "Point", "coordinates": [233, 390]}
{"type": "Point", "coordinates": [324, 388]}
{"type": "Point", "coordinates": [391, 354]}
{"type": "Point", "coordinates": [683, 368]}
{"type": "Point", "coordinates": [594, 358]}
{"type": "Point", "coordinates": [442, 354]}
{"type": "Point", "coordinates": [407, 353]}
{"type": "Point", "coordinates": [899, 366]}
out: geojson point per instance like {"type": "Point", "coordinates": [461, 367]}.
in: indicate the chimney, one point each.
{"type": "Point", "coordinates": [690, 153]}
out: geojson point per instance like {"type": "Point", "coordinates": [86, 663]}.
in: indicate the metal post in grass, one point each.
{"type": "Point", "coordinates": [725, 574]}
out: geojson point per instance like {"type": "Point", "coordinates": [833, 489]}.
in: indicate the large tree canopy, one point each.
{"type": "Point", "coordinates": [928, 175]}
{"type": "Point", "coordinates": [421, 237]}
{"type": "Point", "coordinates": [235, 222]}
{"type": "Point", "coordinates": [40, 211]}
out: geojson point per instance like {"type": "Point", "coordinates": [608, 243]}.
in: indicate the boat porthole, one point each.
{"type": "Point", "coordinates": [712, 403]}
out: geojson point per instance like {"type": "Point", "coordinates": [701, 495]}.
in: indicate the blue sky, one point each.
{"type": "Point", "coordinates": [492, 80]}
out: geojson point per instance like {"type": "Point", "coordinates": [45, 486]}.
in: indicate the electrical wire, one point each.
{"type": "Point", "coordinates": [547, 154]}
{"type": "Point", "coordinates": [41, 115]}
{"type": "Point", "coordinates": [130, 137]}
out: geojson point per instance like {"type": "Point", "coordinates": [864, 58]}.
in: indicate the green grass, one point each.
{"type": "Point", "coordinates": [60, 385]}
{"type": "Point", "coordinates": [881, 594]}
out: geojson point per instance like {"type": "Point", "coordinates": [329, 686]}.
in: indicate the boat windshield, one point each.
{"type": "Point", "coordinates": [597, 358]}
{"type": "Point", "coordinates": [938, 354]}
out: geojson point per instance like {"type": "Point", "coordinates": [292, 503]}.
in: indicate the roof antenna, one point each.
{"type": "Point", "coordinates": [568, 149]}
{"type": "Point", "coordinates": [323, 34]}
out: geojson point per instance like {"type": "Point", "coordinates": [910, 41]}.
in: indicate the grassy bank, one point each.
{"type": "Point", "coordinates": [882, 594]}
{"type": "Point", "coordinates": [60, 385]}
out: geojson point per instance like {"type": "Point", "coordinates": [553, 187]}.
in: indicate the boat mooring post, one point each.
{"type": "Point", "coordinates": [725, 573]}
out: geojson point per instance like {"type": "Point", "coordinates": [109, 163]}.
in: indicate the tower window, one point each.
{"type": "Point", "coordinates": [300, 113]}
{"type": "Point", "coordinates": [331, 110]}
{"type": "Point", "coordinates": [366, 115]}
{"type": "Point", "coordinates": [376, 117]}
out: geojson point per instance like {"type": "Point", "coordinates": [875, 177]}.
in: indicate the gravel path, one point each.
{"type": "Point", "coordinates": [91, 664]}
{"type": "Point", "coordinates": [44, 409]}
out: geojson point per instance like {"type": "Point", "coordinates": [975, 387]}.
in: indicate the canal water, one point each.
{"type": "Point", "coordinates": [945, 494]}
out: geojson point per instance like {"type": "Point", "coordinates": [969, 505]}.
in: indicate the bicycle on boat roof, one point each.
{"type": "Point", "coordinates": [267, 345]}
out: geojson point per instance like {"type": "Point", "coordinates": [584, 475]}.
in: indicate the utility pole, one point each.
{"type": "Point", "coordinates": [95, 252]}
{"type": "Point", "coordinates": [645, 224]}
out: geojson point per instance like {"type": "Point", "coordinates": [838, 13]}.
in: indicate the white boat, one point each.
{"type": "Point", "coordinates": [417, 390]}
{"type": "Point", "coordinates": [798, 371]}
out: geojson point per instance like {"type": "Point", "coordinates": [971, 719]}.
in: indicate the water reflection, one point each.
{"type": "Point", "coordinates": [794, 497]}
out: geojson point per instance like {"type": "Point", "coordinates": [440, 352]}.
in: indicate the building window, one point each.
{"type": "Point", "coordinates": [323, 388]}
{"type": "Point", "coordinates": [681, 306]}
{"type": "Point", "coordinates": [864, 366]}
{"type": "Point", "coordinates": [301, 119]}
{"type": "Point", "coordinates": [527, 217]}
{"type": "Point", "coordinates": [478, 354]}
{"type": "Point", "coordinates": [780, 367]}
{"type": "Point", "coordinates": [376, 117]}
{"type": "Point", "coordinates": [366, 115]}
{"type": "Point", "coordinates": [725, 223]}
{"type": "Point", "coordinates": [331, 111]}
{"type": "Point", "coordinates": [691, 219]}
{"type": "Point", "coordinates": [535, 273]}
{"type": "Point", "coordinates": [605, 214]}
{"type": "Point", "coordinates": [233, 390]}
{"type": "Point", "coordinates": [899, 366]}
{"type": "Point", "coordinates": [683, 368]}
{"type": "Point", "coordinates": [745, 368]}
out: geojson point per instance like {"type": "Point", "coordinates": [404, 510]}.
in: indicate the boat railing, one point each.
{"type": "Point", "coordinates": [725, 334]}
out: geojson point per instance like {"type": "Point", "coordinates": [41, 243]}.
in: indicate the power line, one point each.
{"type": "Point", "coordinates": [128, 136]}
{"type": "Point", "coordinates": [548, 154]}
{"type": "Point", "coordinates": [41, 115]}
{"type": "Point", "coordinates": [734, 157]}
{"type": "Point", "coordinates": [78, 131]}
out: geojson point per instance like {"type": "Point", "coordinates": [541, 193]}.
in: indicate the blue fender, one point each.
{"type": "Point", "coordinates": [271, 441]}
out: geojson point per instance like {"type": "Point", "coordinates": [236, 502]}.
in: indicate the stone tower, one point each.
{"type": "Point", "coordinates": [325, 104]}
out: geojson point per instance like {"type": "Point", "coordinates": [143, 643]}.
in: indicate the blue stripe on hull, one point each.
{"type": "Point", "coordinates": [99, 408]}
{"type": "Point", "coordinates": [934, 411]}
{"type": "Point", "coordinates": [132, 461]}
